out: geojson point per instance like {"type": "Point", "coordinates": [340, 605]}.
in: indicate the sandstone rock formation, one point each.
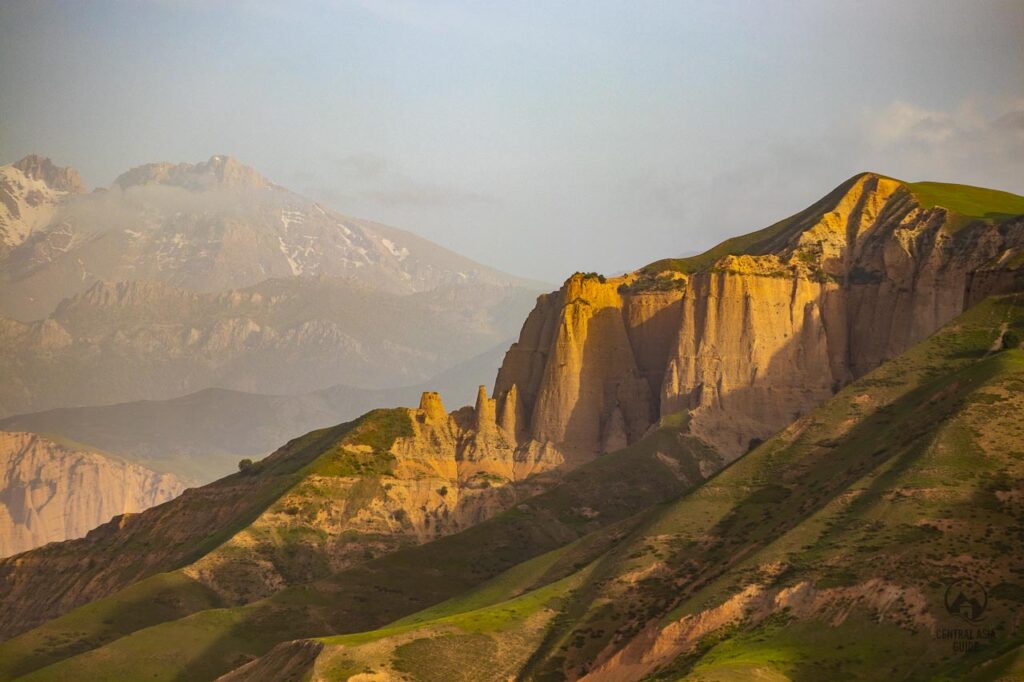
{"type": "Point", "coordinates": [51, 492]}
{"type": "Point", "coordinates": [444, 473]}
{"type": "Point", "coordinates": [751, 335]}
{"type": "Point", "coordinates": [332, 499]}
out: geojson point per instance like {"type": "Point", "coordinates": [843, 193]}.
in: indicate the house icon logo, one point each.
{"type": "Point", "coordinates": [966, 599]}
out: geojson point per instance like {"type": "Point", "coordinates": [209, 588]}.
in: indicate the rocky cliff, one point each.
{"type": "Point", "coordinates": [752, 334]}
{"type": "Point", "coordinates": [400, 477]}
{"type": "Point", "coordinates": [51, 492]}
{"type": "Point", "coordinates": [327, 501]}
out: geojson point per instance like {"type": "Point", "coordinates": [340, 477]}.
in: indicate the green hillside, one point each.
{"type": "Point", "coordinates": [965, 202]}
{"type": "Point", "coordinates": [823, 554]}
{"type": "Point", "coordinates": [906, 481]}
{"type": "Point", "coordinates": [827, 551]}
{"type": "Point", "coordinates": [598, 500]}
{"type": "Point", "coordinates": [969, 201]}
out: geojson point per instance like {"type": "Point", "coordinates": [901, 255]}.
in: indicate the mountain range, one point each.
{"type": "Point", "coordinates": [207, 227]}
{"type": "Point", "coordinates": [185, 282]}
{"type": "Point", "coordinates": [789, 457]}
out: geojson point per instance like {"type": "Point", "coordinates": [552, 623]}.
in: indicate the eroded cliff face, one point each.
{"type": "Point", "coordinates": [758, 331]}
{"type": "Point", "coordinates": [441, 474]}
{"type": "Point", "coordinates": [327, 501]}
{"type": "Point", "coordinates": [50, 492]}
{"type": "Point", "coordinates": [576, 373]}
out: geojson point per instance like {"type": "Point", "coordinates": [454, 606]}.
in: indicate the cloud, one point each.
{"type": "Point", "coordinates": [778, 177]}
{"type": "Point", "coordinates": [961, 144]}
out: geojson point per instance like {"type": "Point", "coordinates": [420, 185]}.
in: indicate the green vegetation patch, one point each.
{"type": "Point", "coordinates": [380, 428]}
{"type": "Point", "coordinates": [365, 450]}
{"type": "Point", "coordinates": [162, 597]}
{"type": "Point", "coordinates": [859, 649]}
{"type": "Point", "coordinates": [343, 461]}
{"type": "Point", "coordinates": [971, 202]}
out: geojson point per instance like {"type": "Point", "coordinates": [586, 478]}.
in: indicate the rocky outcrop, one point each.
{"type": "Point", "coordinates": [286, 662]}
{"type": "Point", "coordinates": [445, 473]}
{"type": "Point", "coordinates": [753, 334]}
{"type": "Point", "coordinates": [62, 179]}
{"type": "Point", "coordinates": [218, 170]}
{"type": "Point", "coordinates": [51, 492]}
{"type": "Point", "coordinates": [574, 373]}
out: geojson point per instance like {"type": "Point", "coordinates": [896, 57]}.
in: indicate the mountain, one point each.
{"type": "Point", "coordinates": [147, 341]}
{"type": "Point", "coordinates": [203, 435]}
{"type": "Point", "coordinates": [760, 329]}
{"type": "Point", "coordinates": [773, 459]}
{"type": "Point", "coordinates": [827, 549]}
{"type": "Point", "coordinates": [52, 491]}
{"type": "Point", "coordinates": [30, 191]}
{"type": "Point", "coordinates": [184, 277]}
{"type": "Point", "coordinates": [206, 227]}
{"type": "Point", "coordinates": [842, 548]}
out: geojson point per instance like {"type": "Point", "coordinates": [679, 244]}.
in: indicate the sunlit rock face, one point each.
{"type": "Point", "coordinates": [754, 335]}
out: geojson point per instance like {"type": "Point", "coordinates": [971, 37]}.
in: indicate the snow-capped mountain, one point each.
{"type": "Point", "coordinates": [181, 277]}
{"type": "Point", "coordinates": [204, 227]}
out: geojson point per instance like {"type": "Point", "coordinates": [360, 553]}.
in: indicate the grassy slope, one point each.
{"type": "Point", "coordinates": [924, 405]}
{"type": "Point", "coordinates": [158, 597]}
{"type": "Point", "coordinates": [497, 625]}
{"type": "Point", "coordinates": [598, 495]}
{"type": "Point", "coordinates": [967, 203]}
{"type": "Point", "coordinates": [893, 478]}
{"type": "Point", "coordinates": [134, 547]}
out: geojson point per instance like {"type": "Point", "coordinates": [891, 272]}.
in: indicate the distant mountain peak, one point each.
{"type": "Point", "coordinates": [218, 170]}
{"type": "Point", "coordinates": [63, 178]}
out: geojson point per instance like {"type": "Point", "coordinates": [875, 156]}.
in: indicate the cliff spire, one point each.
{"type": "Point", "coordinates": [511, 415]}
{"type": "Point", "coordinates": [485, 411]}
{"type": "Point", "coordinates": [432, 406]}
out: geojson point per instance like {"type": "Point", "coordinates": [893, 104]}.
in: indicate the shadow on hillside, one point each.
{"type": "Point", "coordinates": [895, 436]}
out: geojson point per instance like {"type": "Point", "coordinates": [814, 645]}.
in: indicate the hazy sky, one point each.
{"type": "Point", "coordinates": [538, 137]}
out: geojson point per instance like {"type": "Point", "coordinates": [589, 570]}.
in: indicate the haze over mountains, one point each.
{"type": "Point", "coordinates": [204, 434]}
{"type": "Point", "coordinates": [798, 441]}
{"type": "Point", "coordinates": [158, 318]}
{"type": "Point", "coordinates": [183, 277]}
{"type": "Point", "coordinates": [205, 227]}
